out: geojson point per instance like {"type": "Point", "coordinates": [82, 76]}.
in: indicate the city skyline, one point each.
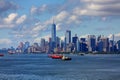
{"type": "Point", "coordinates": [25, 20]}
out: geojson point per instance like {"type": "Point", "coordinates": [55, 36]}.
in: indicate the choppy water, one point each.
{"type": "Point", "coordinates": [41, 67]}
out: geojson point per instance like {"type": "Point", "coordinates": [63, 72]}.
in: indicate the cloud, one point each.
{"type": "Point", "coordinates": [5, 43]}
{"type": "Point", "coordinates": [61, 16]}
{"type": "Point", "coordinates": [33, 10]}
{"type": "Point", "coordinates": [7, 6]}
{"type": "Point", "coordinates": [38, 27]}
{"type": "Point", "coordinates": [98, 8]}
{"type": "Point", "coordinates": [11, 17]}
{"type": "Point", "coordinates": [58, 27]}
{"type": "Point", "coordinates": [12, 20]}
{"type": "Point", "coordinates": [45, 8]}
{"type": "Point", "coordinates": [21, 19]}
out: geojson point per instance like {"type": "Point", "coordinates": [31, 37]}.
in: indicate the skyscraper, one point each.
{"type": "Point", "coordinates": [53, 32]}
{"type": "Point", "coordinates": [26, 46]}
{"type": "Point", "coordinates": [91, 42]}
{"type": "Point", "coordinates": [105, 44]}
{"type": "Point", "coordinates": [118, 45]}
{"type": "Point", "coordinates": [53, 36]}
{"type": "Point", "coordinates": [42, 43]}
{"type": "Point", "coordinates": [57, 42]}
{"type": "Point", "coordinates": [78, 45]}
{"type": "Point", "coordinates": [68, 36]}
{"type": "Point", "coordinates": [74, 41]}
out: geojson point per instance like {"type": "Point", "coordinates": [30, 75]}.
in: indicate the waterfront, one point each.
{"type": "Point", "coordinates": [41, 67]}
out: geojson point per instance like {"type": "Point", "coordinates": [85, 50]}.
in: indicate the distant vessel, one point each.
{"type": "Point", "coordinates": [82, 54]}
{"type": "Point", "coordinates": [11, 52]}
{"type": "Point", "coordinates": [55, 56]}
{"type": "Point", "coordinates": [66, 58]}
{"type": "Point", "coordinates": [1, 54]}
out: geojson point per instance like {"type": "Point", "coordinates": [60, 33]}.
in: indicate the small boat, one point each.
{"type": "Point", "coordinates": [82, 54]}
{"type": "Point", "coordinates": [66, 58]}
{"type": "Point", "coordinates": [55, 56]}
{"type": "Point", "coordinates": [11, 52]}
{"type": "Point", "coordinates": [1, 54]}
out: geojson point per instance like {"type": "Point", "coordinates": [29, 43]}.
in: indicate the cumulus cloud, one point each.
{"type": "Point", "coordinates": [11, 17]}
{"type": "Point", "coordinates": [61, 16]}
{"type": "Point", "coordinates": [21, 19]}
{"type": "Point", "coordinates": [12, 20]}
{"type": "Point", "coordinates": [38, 27]}
{"type": "Point", "coordinates": [98, 8]}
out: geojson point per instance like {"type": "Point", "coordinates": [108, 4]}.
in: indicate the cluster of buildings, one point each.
{"type": "Point", "coordinates": [70, 44]}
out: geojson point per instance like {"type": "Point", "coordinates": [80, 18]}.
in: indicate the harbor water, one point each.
{"type": "Point", "coordinates": [41, 67]}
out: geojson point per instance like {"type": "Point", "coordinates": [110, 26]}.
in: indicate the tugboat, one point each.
{"type": "Point", "coordinates": [66, 58]}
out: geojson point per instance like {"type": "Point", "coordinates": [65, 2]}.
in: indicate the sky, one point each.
{"type": "Point", "coordinates": [31, 20]}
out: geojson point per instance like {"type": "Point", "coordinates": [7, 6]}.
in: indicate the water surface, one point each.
{"type": "Point", "coordinates": [41, 67]}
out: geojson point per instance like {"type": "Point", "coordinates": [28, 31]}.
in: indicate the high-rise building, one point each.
{"type": "Point", "coordinates": [78, 45]}
{"type": "Point", "coordinates": [82, 40]}
{"type": "Point", "coordinates": [68, 36]}
{"type": "Point", "coordinates": [53, 36]}
{"type": "Point", "coordinates": [91, 42]}
{"type": "Point", "coordinates": [100, 46]}
{"type": "Point", "coordinates": [57, 42]}
{"type": "Point", "coordinates": [26, 46]}
{"type": "Point", "coordinates": [74, 41]}
{"type": "Point", "coordinates": [118, 45]}
{"type": "Point", "coordinates": [62, 45]}
{"type": "Point", "coordinates": [21, 47]}
{"type": "Point", "coordinates": [53, 32]}
{"type": "Point", "coordinates": [105, 44]}
{"type": "Point", "coordinates": [83, 45]}
{"type": "Point", "coordinates": [42, 43]}
{"type": "Point", "coordinates": [111, 46]}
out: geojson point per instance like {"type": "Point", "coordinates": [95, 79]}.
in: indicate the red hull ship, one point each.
{"type": "Point", "coordinates": [55, 56]}
{"type": "Point", "coordinates": [1, 55]}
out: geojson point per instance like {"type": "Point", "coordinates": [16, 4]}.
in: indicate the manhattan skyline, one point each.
{"type": "Point", "coordinates": [31, 20]}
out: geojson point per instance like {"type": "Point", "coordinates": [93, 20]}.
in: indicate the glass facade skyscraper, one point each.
{"type": "Point", "coordinates": [68, 36]}
{"type": "Point", "coordinates": [53, 36]}
{"type": "Point", "coordinates": [53, 32]}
